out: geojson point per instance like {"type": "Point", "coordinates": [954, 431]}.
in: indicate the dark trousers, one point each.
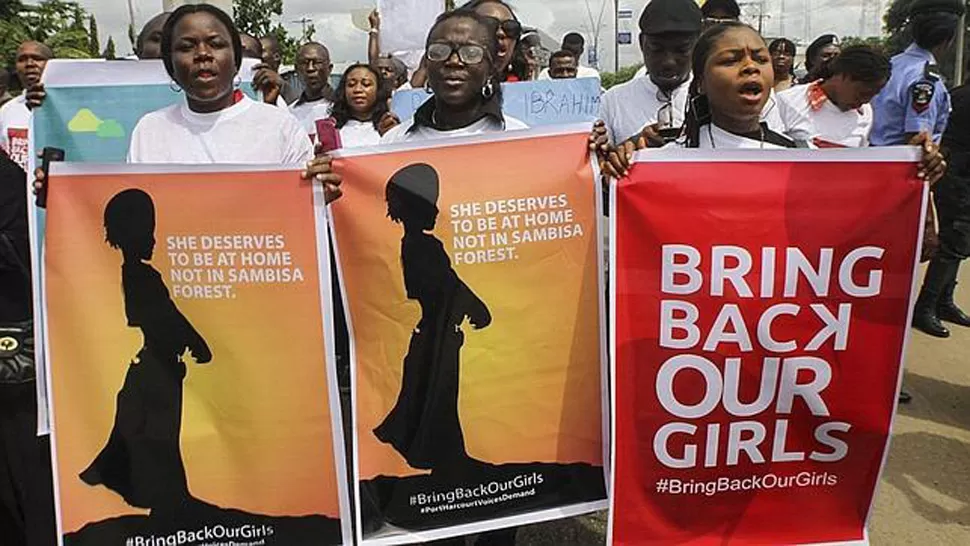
{"type": "Point", "coordinates": [952, 198]}
{"type": "Point", "coordinates": [26, 487]}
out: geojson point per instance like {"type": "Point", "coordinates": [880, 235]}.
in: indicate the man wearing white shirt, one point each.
{"type": "Point", "coordinates": [30, 61]}
{"type": "Point", "coordinates": [314, 66]}
{"type": "Point", "coordinates": [668, 29]}
{"type": "Point", "coordinates": [576, 44]}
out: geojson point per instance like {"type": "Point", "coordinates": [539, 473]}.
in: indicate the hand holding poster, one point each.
{"type": "Point", "coordinates": [190, 390]}
{"type": "Point", "coordinates": [760, 328]}
{"type": "Point", "coordinates": [474, 306]}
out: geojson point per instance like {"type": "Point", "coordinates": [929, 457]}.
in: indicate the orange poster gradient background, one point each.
{"type": "Point", "coordinates": [530, 382]}
{"type": "Point", "coordinates": [256, 430]}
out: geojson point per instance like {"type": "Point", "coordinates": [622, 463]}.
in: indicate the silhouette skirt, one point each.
{"type": "Point", "coordinates": [424, 426]}
{"type": "Point", "coordinates": [142, 460]}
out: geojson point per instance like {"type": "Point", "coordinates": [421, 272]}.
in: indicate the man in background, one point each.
{"type": "Point", "coordinates": [668, 30]}
{"type": "Point", "coordinates": [30, 62]}
{"type": "Point", "coordinates": [314, 67]}
{"type": "Point", "coordinates": [563, 65]}
{"type": "Point", "coordinates": [574, 43]}
{"type": "Point", "coordinates": [273, 58]}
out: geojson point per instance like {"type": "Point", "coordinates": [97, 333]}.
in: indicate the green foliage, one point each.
{"type": "Point", "coordinates": [256, 17]}
{"type": "Point", "coordinates": [896, 23]}
{"type": "Point", "coordinates": [109, 50]}
{"type": "Point", "coordinates": [58, 23]}
{"type": "Point", "coordinates": [625, 74]}
{"type": "Point", "coordinates": [94, 46]}
{"type": "Point", "coordinates": [876, 42]}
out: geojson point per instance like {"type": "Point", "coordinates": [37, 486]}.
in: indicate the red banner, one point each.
{"type": "Point", "coordinates": [761, 312]}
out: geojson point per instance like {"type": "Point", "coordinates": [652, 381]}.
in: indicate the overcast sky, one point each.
{"type": "Point", "coordinates": [800, 20]}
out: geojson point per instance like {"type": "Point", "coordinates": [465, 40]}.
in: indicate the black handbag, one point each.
{"type": "Point", "coordinates": [17, 352]}
{"type": "Point", "coordinates": [17, 338]}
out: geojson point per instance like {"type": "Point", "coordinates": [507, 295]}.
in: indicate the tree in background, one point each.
{"type": "Point", "coordinates": [59, 24]}
{"type": "Point", "coordinates": [896, 26]}
{"type": "Point", "coordinates": [109, 50]}
{"type": "Point", "coordinates": [95, 45]}
{"type": "Point", "coordinates": [256, 17]}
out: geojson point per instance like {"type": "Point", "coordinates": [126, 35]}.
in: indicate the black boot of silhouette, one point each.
{"type": "Point", "coordinates": [947, 309]}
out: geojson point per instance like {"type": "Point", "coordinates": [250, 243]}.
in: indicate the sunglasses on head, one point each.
{"type": "Point", "coordinates": [467, 53]}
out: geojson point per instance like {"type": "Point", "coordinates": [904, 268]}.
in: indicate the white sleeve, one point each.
{"type": "Point", "coordinates": [544, 75]}
{"type": "Point", "coordinates": [134, 147]}
{"type": "Point", "coordinates": [798, 125]}
{"type": "Point", "coordinates": [299, 148]}
{"type": "Point", "coordinates": [606, 115]}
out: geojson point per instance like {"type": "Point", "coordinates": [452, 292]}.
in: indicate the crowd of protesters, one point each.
{"type": "Point", "coordinates": [708, 81]}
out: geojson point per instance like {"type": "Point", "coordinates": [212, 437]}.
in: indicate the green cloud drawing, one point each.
{"type": "Point", "coordinates": [84, 122]}
{"type": "Point", "coordinates": [110, 128]}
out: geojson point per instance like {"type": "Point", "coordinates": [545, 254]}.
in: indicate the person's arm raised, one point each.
{"type": "Point", "coordinates": [374, 36]}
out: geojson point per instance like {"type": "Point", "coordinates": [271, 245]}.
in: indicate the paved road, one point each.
{"type": "Point", "coordinates": [924, 496]}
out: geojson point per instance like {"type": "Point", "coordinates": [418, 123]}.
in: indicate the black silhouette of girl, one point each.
{"type": "Point", "coordinates": [424, 426]}
{"type": "Point", "coordinates": [142, 461]}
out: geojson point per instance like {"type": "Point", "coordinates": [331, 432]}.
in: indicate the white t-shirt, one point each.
{"type": "Point", "coordinates": [828, 123]}
{"type": "Point", "coordinates": [14, 123]}
{"type": "Point", "coordinates": [307, 113]}
{"type": "Point", "coordinates": [629, 107]}
{"type": "Point", "coordinates": [359, 133]}
{"type": "Point", "coordinates": [713, 137]}
{"type": "Point", "coordinates": [581, 72]}
{"type": "Point", "coordinates": [246, 132]}
{"type": "Point", "coordinates": [487, 124]}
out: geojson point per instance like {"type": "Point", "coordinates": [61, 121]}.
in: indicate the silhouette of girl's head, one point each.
{"type": "Point", "coordinates": [412, 196]}
{"type": "Point", "coordinates": [129, 223]}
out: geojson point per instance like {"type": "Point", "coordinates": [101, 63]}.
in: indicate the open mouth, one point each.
{"type": "Point", "coordinates": [752, 92]}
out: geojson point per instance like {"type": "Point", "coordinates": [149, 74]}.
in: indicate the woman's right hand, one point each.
{"type": "Point", "coordinates": [618, 160]}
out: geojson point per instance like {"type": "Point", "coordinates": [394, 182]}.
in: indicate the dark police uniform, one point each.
{"type": "Point", "coordinates": [952, 198]}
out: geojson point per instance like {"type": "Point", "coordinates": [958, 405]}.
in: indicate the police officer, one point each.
{"type": "Point", "coordinates": [916, 101]}
{"type": "Point", "coordinates": [952, 197]}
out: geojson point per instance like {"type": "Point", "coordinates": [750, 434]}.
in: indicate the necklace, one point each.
{"type": "Point", "coordinates": [761, 137]}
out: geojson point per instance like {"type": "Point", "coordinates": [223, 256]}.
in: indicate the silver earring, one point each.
{"type": "Point", "coordinates": [488, 90]}
{"type": "Point", "coordinates": [427, 88]}
{"type": "Point", "coordinates": [237, 81]}
{"type": "Point", "coordinates": [175, 87]}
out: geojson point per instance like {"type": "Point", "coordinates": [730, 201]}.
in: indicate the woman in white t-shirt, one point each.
{"type": "Point", "coordinates": [834, 111]}
{"type": "Point", "coordinates": [733, 78]}
{"type": "Point", "coordinates": [360, 107]}
{"type": "Point", "coordinates": [216, 123]}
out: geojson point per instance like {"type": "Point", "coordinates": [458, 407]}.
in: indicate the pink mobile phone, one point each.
{"type": "Point", "coordinates": [328, 135]}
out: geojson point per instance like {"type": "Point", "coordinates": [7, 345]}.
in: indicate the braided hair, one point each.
{"type": "Point", "coordinates": [698, 106]}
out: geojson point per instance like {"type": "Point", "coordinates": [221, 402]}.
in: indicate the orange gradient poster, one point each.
{"type": "Point", "coordinates": [471, 275]}
{"type": "Point", "coordinates": [192, 401]}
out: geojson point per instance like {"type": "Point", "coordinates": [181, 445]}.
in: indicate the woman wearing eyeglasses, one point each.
{"type": "Point", "coordinates": [461, 54]}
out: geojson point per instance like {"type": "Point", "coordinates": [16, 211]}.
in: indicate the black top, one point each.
{"type": "Point", "coordinates": [15, 301]}
{"type": "Point", "coordinates": [956, 139]}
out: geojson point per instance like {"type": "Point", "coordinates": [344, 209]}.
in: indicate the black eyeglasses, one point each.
{"type": "Point", "coordinates": [467, 53]}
